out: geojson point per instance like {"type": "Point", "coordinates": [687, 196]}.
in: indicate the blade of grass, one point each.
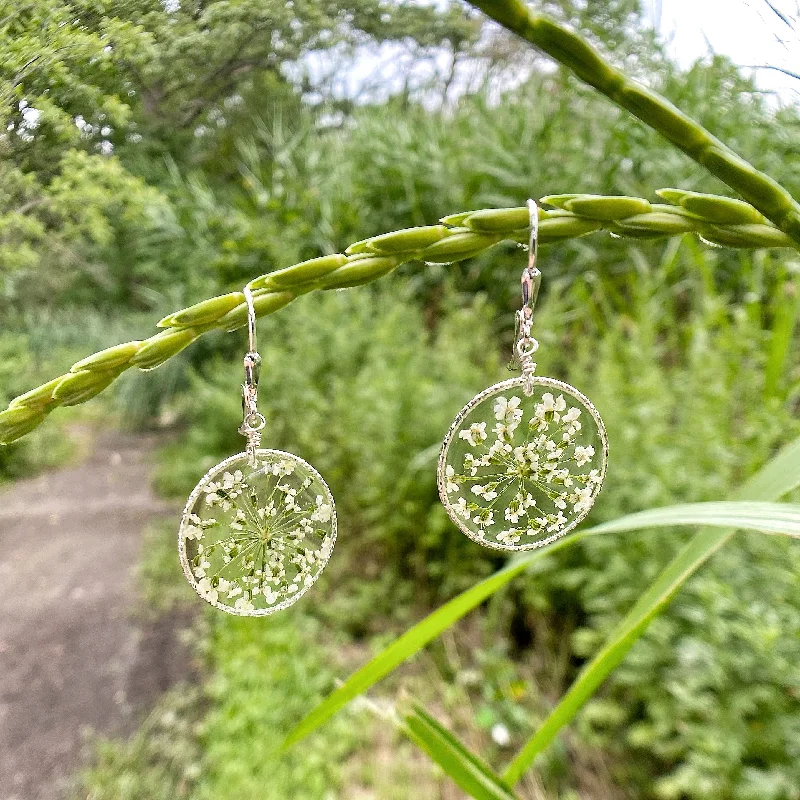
{"type": "Point", "coordinates": [463, 767]}
{"type": "Point", "coordinates": [783, 328]}
{"type": "Point", "coordinates": [417, 637]}
{"type": "Point", "coordinates": [779, 476]}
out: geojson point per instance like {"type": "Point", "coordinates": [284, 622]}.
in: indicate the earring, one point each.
{"type": "Point", "coordinates": [524, 460]}
{"type": "Point", "coordinates": [260, 526]}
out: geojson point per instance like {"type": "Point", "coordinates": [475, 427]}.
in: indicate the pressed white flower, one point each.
{"type": "Point", "coordinates": [270, 595]}
{"type": "Point", "coordinates": [571, 415]}
{"type": "Point", "coordinates": [583, 500]}
{"type": "Point", "coordinates": [557, 522]}
{"type": "Point", "coordinates": [200, 569]}
{"type": "Point", "coordinates": [529, 501]}
{"type": "Point", "coordinates": [539, 523]}
{"type": "Point", "coordinates": [503, 432]}
{"type": "Point", "coordinates": [511, 536]}
{"type": "Point", "coordinates": [507, 410]}
{"type": "Point", "coordinates": [478, 490]}
{"type": "Point", "coordinates": [514, 510]}
{"type": "Point", "coordinates": [207, 591]}
{"type": "Point", "coordinates": [461, 508]}
{"type": "Point", "coordinates": [322, 511]}
{"type": "Point", "coordinates": [583, 455]}
{"type": "Point", "coordinates": [450, 485]}
{"type": "Point", "coordinates": [475, 434]}
{"type": "Point", "coordinates": [193, 532]}
{"type": "Point", "coordinates": [243, 604]}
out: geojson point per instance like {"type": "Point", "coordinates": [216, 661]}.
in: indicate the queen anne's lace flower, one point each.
{"type": "Point", "coordinates": [257, 537]}
{"type": "Point", "coordinates": [450, 484]}
{"type": "Point", "coordinates": [475, 434]}
{"type": "Point", "coordinates": [530, 472]}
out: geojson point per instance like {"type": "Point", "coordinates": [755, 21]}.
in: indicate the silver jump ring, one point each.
{"type": "Point", "coordinates": [254, 421]}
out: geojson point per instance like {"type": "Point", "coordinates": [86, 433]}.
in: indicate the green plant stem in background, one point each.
{"type": "Point", "coordinates": [779, 476]}
{"type": "Point", "coordinates": [569, 49]}
{"type": "Point", "coordinates": [720, 220]}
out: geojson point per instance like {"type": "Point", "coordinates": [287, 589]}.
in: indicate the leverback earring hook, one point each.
{"type": "Point", "coordinates": [531, 276]}
{"type": "Point", "coordinates": [252, 420]}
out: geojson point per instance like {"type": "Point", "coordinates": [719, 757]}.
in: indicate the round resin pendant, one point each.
{"type": "Point", "coordinates": [256, 532]}
{"type": "Point", "coordinates": [518, 471]}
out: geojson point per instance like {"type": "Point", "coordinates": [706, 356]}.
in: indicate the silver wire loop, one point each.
{"type": "Point", "coordinates": [531, 280]}
{"type": "Point", "coordinates": [252, 421]}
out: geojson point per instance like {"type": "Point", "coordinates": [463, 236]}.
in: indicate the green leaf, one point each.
{"type": "Point", "coordinates": [463, 767]}
{"type": "Point", "coordinates": [765, 518]}
{"type": "Point", "coordinates": [779, 476]}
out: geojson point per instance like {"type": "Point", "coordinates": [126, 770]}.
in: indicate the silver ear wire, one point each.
{"type": "Point", "coordinates": [251, 319]}
{"type": "Point", "coordinates": [252, 420]}
{"type": "Point", "coordinates": [533, 239]}
{"type": "Point", "coordinates": [531, 280]}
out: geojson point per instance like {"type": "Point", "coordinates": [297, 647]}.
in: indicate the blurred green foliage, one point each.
{"type": "Point", "coordinates": [153, 155]}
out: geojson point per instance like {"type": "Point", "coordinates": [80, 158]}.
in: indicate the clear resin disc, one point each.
{"type": "Point", "coordinates": [517, 471]}
{"type": "Point", "coordinates": [255, 534]}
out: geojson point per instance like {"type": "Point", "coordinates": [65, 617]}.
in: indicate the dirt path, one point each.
{"type": "Point", "coordinates": [72, 654]}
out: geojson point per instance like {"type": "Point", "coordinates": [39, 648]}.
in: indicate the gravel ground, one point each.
{"type": "Point", "coordinates": [73, 655]}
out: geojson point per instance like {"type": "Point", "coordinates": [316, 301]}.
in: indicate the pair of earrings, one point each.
{"type": "Point", "coordinates": [520, 466]}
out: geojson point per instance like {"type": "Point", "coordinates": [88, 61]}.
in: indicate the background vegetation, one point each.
{"type": "Point", "coordinates": [155, 155]}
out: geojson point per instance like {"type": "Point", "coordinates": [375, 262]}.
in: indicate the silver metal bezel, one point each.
{"type": "Point", "coordinates": [260, 612]}
{"type": "Point", "coordinates": [479, 398]}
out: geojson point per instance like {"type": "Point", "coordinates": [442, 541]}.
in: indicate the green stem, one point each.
{"type": "Point", "coordinates": [570, 50]}
{"type": "Point", "coordinates": [721, 220]}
